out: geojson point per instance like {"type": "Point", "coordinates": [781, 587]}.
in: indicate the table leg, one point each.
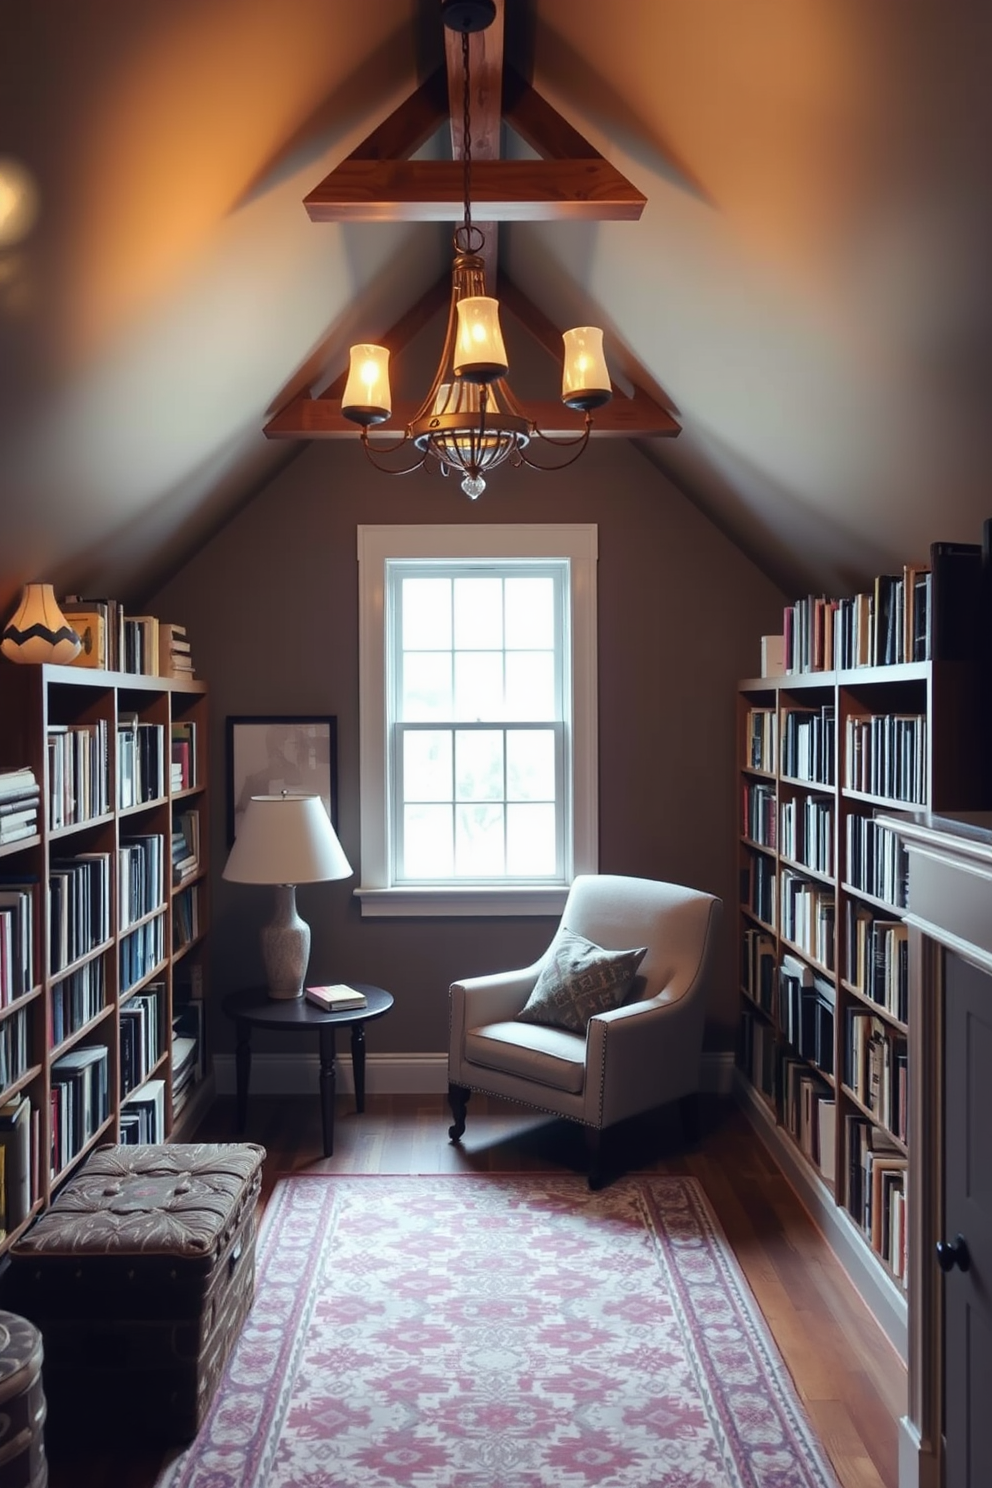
{"type": "Point", "coordinates": [242, 1069]}
{"type": "Point", "coordinates": [358, 1064]}
{"type": "Point", "coordinates": [327, 1086]}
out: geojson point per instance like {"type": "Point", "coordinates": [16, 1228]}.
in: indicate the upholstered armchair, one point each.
{"type": "Point", "coordinates": [640, 1047]}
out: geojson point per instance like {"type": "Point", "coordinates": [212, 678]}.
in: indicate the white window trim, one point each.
{"type": "Point", "coordinates": [577, 542]}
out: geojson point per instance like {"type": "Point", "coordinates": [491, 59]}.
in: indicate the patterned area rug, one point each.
{"type": "Point", "coordinates": [500, 1332]}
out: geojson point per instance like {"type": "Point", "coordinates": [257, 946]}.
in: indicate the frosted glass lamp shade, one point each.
{"type": "Point", "coordinates": [367, 399]}
{"type": "Point", "coordinates": [585, 382]}
{"type": "Point", "coordinates": [480, 355]}
{"type": "Point", "coordinates": [38, 631]}
{"type": "Point", "coordinates": [286, 840]}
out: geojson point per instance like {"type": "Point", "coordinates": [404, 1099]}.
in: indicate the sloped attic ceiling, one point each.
{"type": "Point", "coordinates": [808, 285]}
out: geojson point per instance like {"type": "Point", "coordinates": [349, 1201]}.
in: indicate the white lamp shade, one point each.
{"type": "Point", "coordinates": [585, 382]}
{"type": "Point", "coordinates": [367, 399]}
{"type": "Point", "coordinates": [480, 355]}
{"type": "Point", "coordinates": [286, 840]}
{"type": "Point", "coordinates": [38, 631]}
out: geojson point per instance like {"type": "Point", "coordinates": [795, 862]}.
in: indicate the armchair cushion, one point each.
{"type": "Point", "coordinates": [579, 979]}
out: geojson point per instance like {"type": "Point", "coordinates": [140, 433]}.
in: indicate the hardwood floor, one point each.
{"type": "Point", "coordinates": [849, 1377]}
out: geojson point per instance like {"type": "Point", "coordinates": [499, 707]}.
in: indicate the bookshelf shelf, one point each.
{"type": "Point", "coordinates": [100, 902]}
{"type": "Point", "coordinates": [837, 950]}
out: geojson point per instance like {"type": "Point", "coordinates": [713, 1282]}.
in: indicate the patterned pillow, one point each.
{"type": "Point", "coordinates": [579, 979]}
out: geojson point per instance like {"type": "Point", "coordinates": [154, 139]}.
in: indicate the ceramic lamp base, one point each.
{"type": "Point", "coordinates": [285, 947]}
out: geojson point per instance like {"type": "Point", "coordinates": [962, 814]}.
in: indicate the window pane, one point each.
{"type": "Point", "coordinates": [427, 765]}
{"type": "Point", "coordinates": [530, 840]}
{"type": "Point", "coordinates": [479, 765]}
{"type": "Point", "coordinates": [478, 614]}
{"type": "Point", "coordinates": [530, 765]}
{"type": "Point", "coordinates": [427, 844]}
{"type": "Point", "coordinates": [426, 614]}
{"type": "Point", "coordinates": [530, 613]}
{"type": "Point", "coordinates": [479, 848]}
{"type": "Point", "coordinates": [530, 685]}
{"type": "Point", "coordinates": [426, 686]}
{"type": "Point", "coordinates": [478, 686]}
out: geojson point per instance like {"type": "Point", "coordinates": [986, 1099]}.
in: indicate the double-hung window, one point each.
{"type": "Point", "coordinates": [478, 717]}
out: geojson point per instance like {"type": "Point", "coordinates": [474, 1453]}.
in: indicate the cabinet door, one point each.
{"type": "Point", "coordinates": [968, 1214]}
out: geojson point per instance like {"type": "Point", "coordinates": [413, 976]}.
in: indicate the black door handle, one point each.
{"type": "Point", "coordinates": [951, 1253]}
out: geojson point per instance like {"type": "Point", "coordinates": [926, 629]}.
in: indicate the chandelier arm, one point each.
{"type": "Point", "coordinates": [391, 450]}
{"type": "Point", "coordinates": [576, 445]}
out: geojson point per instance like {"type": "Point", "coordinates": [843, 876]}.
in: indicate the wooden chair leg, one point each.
{"type": "Point", "coordinates": [595, 1151]}
{"type": "Point", "coordinates": [458, 1101]}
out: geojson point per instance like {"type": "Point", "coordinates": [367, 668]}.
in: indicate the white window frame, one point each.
{"type": "Point", "coordinates": [377, 545]}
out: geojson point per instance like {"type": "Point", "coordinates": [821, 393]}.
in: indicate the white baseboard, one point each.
{"type": "Point", "coordinates": [883, 1298]}
{"type": "Point", "coordinates": [395, 1074]}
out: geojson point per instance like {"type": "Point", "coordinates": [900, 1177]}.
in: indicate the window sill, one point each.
{"type": "Point", "coordinates": [454, 903]}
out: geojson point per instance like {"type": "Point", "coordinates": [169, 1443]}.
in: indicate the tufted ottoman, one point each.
{"type": "Point", "coordinates": [139, 1277]}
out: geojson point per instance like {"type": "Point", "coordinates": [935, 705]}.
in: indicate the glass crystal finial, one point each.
{"type": "Point", "coordinates": [473, 485]}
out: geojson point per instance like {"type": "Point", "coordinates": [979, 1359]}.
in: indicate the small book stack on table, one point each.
{"type": "Point", "coordinates": [337, 998]}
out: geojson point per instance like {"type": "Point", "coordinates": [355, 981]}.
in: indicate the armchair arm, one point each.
{"type": "Point", "coordinates": [485, 999]}
{"type": "Point", "coordinates": [643, 1055]}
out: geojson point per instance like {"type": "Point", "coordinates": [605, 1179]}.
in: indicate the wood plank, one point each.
{"type": "Point", "coordinates": [639, 417]}
{"type": "Point", "coordinates": [539, 124]}
{"type": "Point", "coordinates": [485, 61]}
{"type": "Point", "coordinates": [410, 125]}
{"type": "Point", "coordinates": [506, 191]}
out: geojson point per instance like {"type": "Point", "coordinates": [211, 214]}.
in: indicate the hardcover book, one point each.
{"type": "Point", "coordinates": [336, 998]}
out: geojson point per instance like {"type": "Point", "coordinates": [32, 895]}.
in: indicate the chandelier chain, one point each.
{"type": "Point", "coordinates": [466, 140]}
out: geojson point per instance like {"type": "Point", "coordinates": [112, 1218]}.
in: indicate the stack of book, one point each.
{"type": "Point", "coordinates": [174, 659]}
{"type": "Point", "coordinates": [19, 793]}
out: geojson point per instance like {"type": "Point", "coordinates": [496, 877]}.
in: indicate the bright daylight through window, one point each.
{"type": "Point", "coordinates": [478, 717]}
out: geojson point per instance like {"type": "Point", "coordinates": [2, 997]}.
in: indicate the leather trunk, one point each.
{"type": "Point", "coordinates": [139, 1277]}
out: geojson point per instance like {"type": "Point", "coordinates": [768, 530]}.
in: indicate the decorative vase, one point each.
{"type": "Point", "coordinates": [38, 631]}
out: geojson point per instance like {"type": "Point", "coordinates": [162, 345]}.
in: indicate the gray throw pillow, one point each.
{"type": "Point", "coordinates": [579, 979]}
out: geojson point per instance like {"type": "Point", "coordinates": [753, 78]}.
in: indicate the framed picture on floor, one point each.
{"type": "Point", "coordinates": [268, 755]}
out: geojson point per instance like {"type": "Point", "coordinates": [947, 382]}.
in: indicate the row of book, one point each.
{"type": "Point", "coordinates": [188, 1050]}
{"type": "Point", "coordinates": [19, 798]}
{"type": "Point", "coordinates": [77, 998]}
{"type": "Point", "coordinates": [185, 917]}
{"type": "Point", "coordinates": [19, 1186]}
{"type": "Point", "coordinates": [140, 877]}
{"type": "Point", "coordinates": [142, 1117]}
{"type": "Point", "coordinates": [78, 907]}
{"type": "Point", "coordinates": [876, 959]}
{"type": "Point", "coordinates": [805, 1013]}
{"type": "Point", "coordinates": [79, 1101]}
{"type": "Point", "coordinates": [877, 860]}
{"type": "Point", "coordinates": [141, 952]}
{"type": "Point", "coordinates": [140, 1035]}
{"type": "Point", "coordinates": [809, 1114]}
{"type": "Point", "coordinates": [15, 1047]}
{"type": "Point", "coordinates": [928, 611]}
{"type": "Point", "coordinates": [185, 844]}
{"type": "Point", "coordinates": [807, 834]}
{"type": "Point", "coordinates": [877, 1174]}
{"type": "Point", "coordinates": [116, 642]}
{"type": "Point", "coordinates": [17, 916]}
{"type": "Point", "coordinates": [808, 913]}
{"type": "Point", "coordinates": [809, 742]}
{"type": "Point", "coordinates": [77, 772]}
{"type": "Point", "coordinates": [876, 1069]}
{"type": "Point", "coordinates": [760, 812]}
{"type": "Point", "coordinates": [758, 886]}
{"type": "Point", "coordinates": [886, 755]}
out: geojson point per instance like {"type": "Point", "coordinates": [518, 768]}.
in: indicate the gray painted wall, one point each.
{"type": "Point", "coordinates": [271, 609]}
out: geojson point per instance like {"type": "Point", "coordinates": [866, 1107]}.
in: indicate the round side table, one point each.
{"type": "Point", "coordinates": [254, 1008]}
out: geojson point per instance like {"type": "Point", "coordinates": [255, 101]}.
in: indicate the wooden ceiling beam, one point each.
{"type": "Point", "coordinates": [503, 190]}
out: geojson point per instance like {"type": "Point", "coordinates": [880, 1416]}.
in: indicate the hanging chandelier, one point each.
{"type": "Point", "coordinates": [470, 422]}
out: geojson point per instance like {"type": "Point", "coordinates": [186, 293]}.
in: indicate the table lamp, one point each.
{"type": "Point", "coordinates": [286, 840]}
